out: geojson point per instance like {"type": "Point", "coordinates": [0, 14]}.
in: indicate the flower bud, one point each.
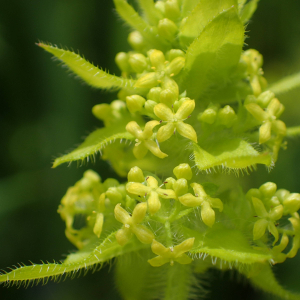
{"type": "Point", "coordinates": [180, 187]}
{"type": "Point", "coordinates": [174, 53]}
{"type": "Point", "coordinates": [136, 175]}
{"type": "Point", "coordinates": [110, 182]}
{"type": "Point", "coordinates": [176, 65]}
{"type": "Point", "coordinates": [183, 171]}
{"type": "Point", "coordinates": [172, 10]}
{"type": "Point", "coordinates": [169, 83]}
{"type": "Point", "coordinates": [136, 41]}
{"type": "Point", "coordinates": [160, 6]}
{"type": "Point", "coordinates": [114, 195]}
{"type": "Point", "coordinates": [154, 94]}
{"type": "Point", "coordinates": [98, 225]}
{"type": "Point", "coordinates": [227, 116]}
{"type": "Point", "coordinates": [167, 29]}
{"type": "Point", "coordinates": [101, 111]}
{"type": "Point", "coordinates": [157, 59]}
{"type": "Point", "coordinates": [208, 116]}
{"type": "Point", "coordinates": [168, 97]}
{"type": "Point", "coordinates": [265, 98]}
{"type": "Point", "coordinates": [135, 103]}
{"type": "Point", "coordinates": [169, 182]}
{"type": "Point", "coordinates": [291, 204]}
{"type": "Point", "coordinates": [147, 81]}
{"type": "Point", "coordinates": [149, 105]}
{"type": "Point", "coordinates": [122, 62]}
{"type": "Point", "coordinates": [138, 62]}
{"type": "Point", "coordinates": [268, 189]}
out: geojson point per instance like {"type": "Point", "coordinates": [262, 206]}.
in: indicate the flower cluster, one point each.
{"type": "Point", "coordinates": [191, 101]}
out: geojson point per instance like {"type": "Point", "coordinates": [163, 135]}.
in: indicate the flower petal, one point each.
{"type": "Point", "coordinates": [148, 130]}
{"type": "Point", "coordinates": [187, 131]}
{"type": "Point", "coordinates": [143, 234]}
{"type": "Point", "coordinates": [140, 150]}
{"type": "Point", "coordinates": [163, 112]}
{"type": "Point", "coordinates": [154, 149]}
{"type": "Point", "coordinates": [165, 132]}
{"type": "Point", "coordinates": [185, 109]}
{"type": "Point", "coordinates": [137, 189]}
{"type": "Point", "coordinates": [121, 214]}
{"type": "Point", "coordinates": [185, 246]}
{"type": "Point", "coordinates": [259, 228]}
{"type": "Point", "coordinates": [133, 128]}
{"type": "Point", "coordinates": [158, 261]}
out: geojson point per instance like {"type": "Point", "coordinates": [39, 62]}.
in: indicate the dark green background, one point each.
{"type": "Point", "coordinates": [45, 111]}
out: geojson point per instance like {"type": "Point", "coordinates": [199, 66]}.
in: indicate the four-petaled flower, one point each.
{"type": "Point", "coordinates": [132, 224]}
{"type": "Point", "coordinates": [143, 139]}
{"type": "Point", "coordinates": [175, 121]}
{"type": "Point", "coordinates": [171, 254]}
{"type": "Point", "coordinates": [205, 201]}
{"type": "Point", "coordinates": [268, 118]}
{"type": "Point", "coordinates": [152, 191]}
{"type": "Point", "coordinates": [266, 219]}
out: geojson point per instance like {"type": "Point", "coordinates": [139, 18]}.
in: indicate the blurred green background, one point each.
{"type": "Point", "coordinates": [45, 111]}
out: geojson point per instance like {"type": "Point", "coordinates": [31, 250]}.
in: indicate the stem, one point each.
{"type": "Point", "coordinates": [169, 240]}
{"type": "Point", "coordinates": [293, 131]}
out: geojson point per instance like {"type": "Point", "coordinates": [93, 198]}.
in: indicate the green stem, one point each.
{"type": "Point", "coordinates": [293, 131]}
{"type": "Point", "coordinates": [169, 240]}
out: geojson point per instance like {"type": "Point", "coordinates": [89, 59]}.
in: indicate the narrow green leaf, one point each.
{"type": "Point", "coordinates": [248, 10]}
{"type": "Point", "coordinates": [130, 16]}
{"type": "Point", "coordinates": [206, 10]}
{"type": "Point", "coordinates": [262, 277]}
{"type": "Point", "coordinates": [228, 245]}
{"type": "Point", "coordinates": [108, 249]}
{"type": "Point", "coordinates": [94, 143]}
{"type": "Point", "coordinates": [214, 55]}
{"type": "Point", "coordinates": [286, 84]}
{"type": "Point", "coordinates": [151, 14]}
{"type": "Point", "coordinates": [235, 154]}
{"type": "Point", "coordinates": [87, 71]}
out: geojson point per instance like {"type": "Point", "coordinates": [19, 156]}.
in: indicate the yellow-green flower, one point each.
{"type": "Point", "coordinates": [268, 118]}
{"type": "Point", "coordinates": [152, 191]}
{"type": "Point", "coordinates": [205, 201]}
{"type": "Point", "coordinates": [143, 139]}
{"type": "Point", "coordinates": [171, 254]}
{"type": "Point", "coordinates": [132, 224]}
{"type": "Point", "coordinates": [266, 219]}
{"type": "Point", "coordinates": [175, 121]}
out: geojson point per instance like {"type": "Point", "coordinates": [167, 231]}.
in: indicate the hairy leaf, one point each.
{"type": "Point", "coordinates": [87, 71]}
{"type": "Point", "coordinates": [262, 277]}
{"type": "Point", "coordinates": [108, 249]}
{"type": "Point", "coordinates": [235, 154]}
{"type": "Point", "coordinates": [94, 143]}
{"type": "Point", "coordinates": [228, 245]}
{"type": "Point", "coordinates": [205, 11]}
{"type": "Point", "coordinates": [214, 55]}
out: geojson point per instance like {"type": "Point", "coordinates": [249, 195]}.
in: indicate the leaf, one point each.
{"type": "Point", "coordinates": [83, 260]}
{"type": "Point", "coordinates": [286, 84]}
{"type": "Point", "coordinates": [230, 154]}
{"type": "Point", "coordinates": [214, 55]}
{"type": "Point", "coordinates": [94, 143]}
{"type": "Point", "coordinates": [206, 10]}
{"type": "Point", "coordinates": [262, 277]}
{"type": "Point", "coordinates": [137, 279]}
{"type": "Point", "coordinates": [248, 10]}
{"type": "Point", "coordinates": [130, 16]}
{"type": "Point", "coordinates": [151, 14]}
{"type": "Point", "coordinates": [228, 245]}
{"type": "Point", "coordinates": [188, 6]}
{"type": "Point", "coordinates": [87, 71]}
